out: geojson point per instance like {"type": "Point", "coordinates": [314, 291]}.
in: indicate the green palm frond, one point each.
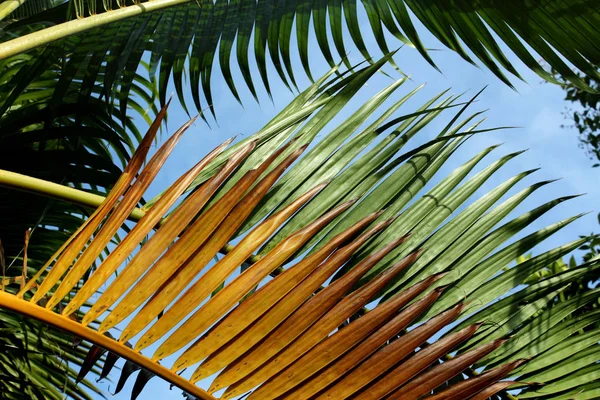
{"type": "Point", "coordinates": [59, 134]}
{"type": "Point", "coordinates": [38, 362]}
{"type": "Point", "coordinates": [299, 209]}
{"type": "Point", "coordinates": [183, 39]}
{"type": "Point", "coordinates": [50, 132]}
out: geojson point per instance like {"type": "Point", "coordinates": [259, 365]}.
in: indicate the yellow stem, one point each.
{"type": "Point", "coordinates": [8, 7]}
{"type": "Point", "coordinates": [26, 183]}
{"type": "Point", "coordinates": [41, 187]}
{"type": "Point", "coordinates": [53, 33]}
{"type": "Point", "coordinates": [42, 314]}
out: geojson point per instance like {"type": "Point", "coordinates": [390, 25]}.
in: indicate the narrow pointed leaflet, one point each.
{"type": "Point", "coordinates": [232, 293]}
{"type": "Point", "coordinates": [82, 236]}
{"type": "Point", "coordinates": [389, 355]}
{"type": "Point", "coordinates": [331, 300]}
{"type": "Point", "coordinates": [422, 360]}
{"type": "Point", "coordinates": [139, 231]}
{"type": "Point", "coordinates": [314, 274]}
{"type": "Point", "coordinates": [117, 217]}
{"type": "Point", "coordinates": [244, 368]}
{"type": "Point", "coordinates": [338, 314]}
{"type": "Point", "coordinates": [237, 207]}
{"type": "Point", "coordinates": [159, 242]}
{"type": "Point", "coordinates": [474, 385]}
{"type": "Point", "coordinates": [342, 341]}
{"type": "Point", "coordinates": [433, 378]}
{"type": "Point", "coordinates": [260, 302]}
{"type": "Point", "coordinates": [377, 338]}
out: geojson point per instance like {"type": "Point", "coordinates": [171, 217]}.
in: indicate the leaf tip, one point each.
{"type": "Point", "coordinates": [441, 289]}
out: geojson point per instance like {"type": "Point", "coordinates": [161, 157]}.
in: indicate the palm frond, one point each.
{"type": "Point", "coordinates": [50, 134]}
{"type": "Point", "coordinates": [329, 244]}
{"type": "Point", "coordinates": [182, 39]}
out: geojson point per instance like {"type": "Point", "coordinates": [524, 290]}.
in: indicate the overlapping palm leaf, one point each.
{"type": "Point", "coordinates": [303, 211]}
{"type": "Point", "coordinates": [182, 40]}
{"type": "Point", "coordinates": [51, 133]}
{"type": "Point", "coordinates": [39, 362]}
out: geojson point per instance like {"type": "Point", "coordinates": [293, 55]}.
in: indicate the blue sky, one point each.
{"type": "Point", "coordinates": [536, 107]}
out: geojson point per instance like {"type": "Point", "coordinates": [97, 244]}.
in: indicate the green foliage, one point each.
{"type": "Point", "coordinates": [585, 115]}
{"type": "Point", "coordinates": [183, 39]}
{"type": "Point", "coordinates": [67, 136]}
{"type": "Point", "coordinates": [565, 352]}
{"type": "Point", "coordinates": [469, 245]}
{"type": "Point", "coordinates": [586, 119]}
{"type": "Point", "coordinates": [39, 362]}
{"type": "Point", "coordinates": [65, 116]}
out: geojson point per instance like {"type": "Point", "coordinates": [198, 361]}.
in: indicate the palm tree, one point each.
{"type": "Point", "coordinates": [62, 60]}
{"type": "Point", "coordinates": [293, 217]}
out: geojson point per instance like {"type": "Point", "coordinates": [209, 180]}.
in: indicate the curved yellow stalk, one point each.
{"type": "Point", "coordinates": [28, 309]}
{"type": "Point", "coordinates": [14, 180]}
{"type": "Point", "coordinates": [7, 7]}
{"type": "Point", "coordinates": [66, 29]}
